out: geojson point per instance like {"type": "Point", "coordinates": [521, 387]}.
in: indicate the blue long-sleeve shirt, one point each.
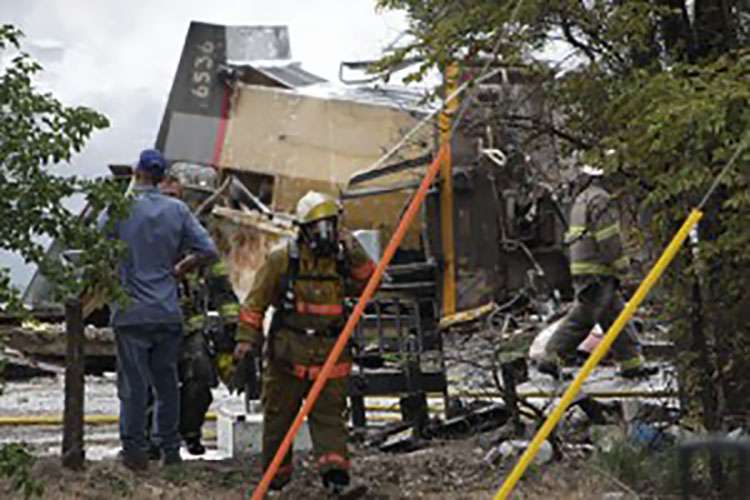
{"type": "Point", "coordinates": [158, 231]}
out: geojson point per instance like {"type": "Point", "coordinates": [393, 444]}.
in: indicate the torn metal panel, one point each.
{"type": "Point", "coordinates": [408, 100]}
{"type": "Point", "coordinates": [244, 239]}
{"type": "Point", "coordinates": [527, 232]}
{"type": "Point", "coordinates": [351, 194]}
{"type": "Point", "coordinates": [506, 105]}
{"type": "Point", "coordinates": [500, 237]}
{"type": "Point", "coordinates": [378, 173]}
{"type": "Point", "coordinates": [290, 75]}
{"type": "Point", "coordinates": [486, 417]}
{"type": "Point", "coordinates": [507, 222]}
{"type": "Point", "coordinates": [479, 268]}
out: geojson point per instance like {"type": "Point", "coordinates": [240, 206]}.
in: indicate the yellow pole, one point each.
{"type": "Point", "coordinates": [600, 351]}
{"type": "Point", "coordinates": [446, 193]}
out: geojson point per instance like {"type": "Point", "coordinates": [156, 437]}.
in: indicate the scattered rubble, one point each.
{"type": "Point", "coordinates": [463, 451]}
{"type": "Point", "coordinates": [513, 448]}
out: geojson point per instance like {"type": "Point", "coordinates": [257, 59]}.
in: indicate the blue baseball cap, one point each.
{"type": "Point", "coordinates": [152, 162]}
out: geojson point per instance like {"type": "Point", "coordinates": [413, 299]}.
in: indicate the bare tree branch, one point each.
{"type": "Point", "coordinates": [535, 124]}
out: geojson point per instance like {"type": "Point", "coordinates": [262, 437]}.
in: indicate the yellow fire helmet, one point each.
{"type": "Point", "coordinates": [315, 206]}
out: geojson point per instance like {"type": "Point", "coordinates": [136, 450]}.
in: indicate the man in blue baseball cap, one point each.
{"type": "Point", "coordinates": [158, 231]}
{"type": "Point", "coordinates": [151, 163]}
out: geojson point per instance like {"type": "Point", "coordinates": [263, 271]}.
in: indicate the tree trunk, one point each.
{"type": "Point", "coordinates": [705, 372]}
{"type": "Point", "coordinates": [676, 31]}
{"type": "Point", "coordinates": [72, 443]}
{"type": "Point", "coordinates": [715, 28]}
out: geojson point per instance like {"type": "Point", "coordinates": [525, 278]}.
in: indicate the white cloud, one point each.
{"type": "Point", "coordinates": [119, 57]}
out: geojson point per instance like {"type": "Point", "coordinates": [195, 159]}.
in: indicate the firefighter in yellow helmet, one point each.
{"type": "Point", "coordinates": [306, 280]}
{"type": "Point", "coordinates": [596, 263]}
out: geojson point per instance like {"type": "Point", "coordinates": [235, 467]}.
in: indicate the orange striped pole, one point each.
{"type": "Point", "coordinates": [346, 333]}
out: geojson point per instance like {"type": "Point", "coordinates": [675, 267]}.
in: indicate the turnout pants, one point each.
{"type": "Point", "coordinates": [597, 300]}
{"type": "Point", "coordinates": [195, 398]}
{"type": "Point", "coordinates": [283, 393]}
{"type": "Point", "coordinates": [197, 377]}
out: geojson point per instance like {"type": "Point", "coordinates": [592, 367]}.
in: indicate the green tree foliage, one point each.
{"type": "Point", "coordinates": [38, 132]}
{"type": "Point", "coordinates": [15, 465]}
{"type": "Point", "coordinates": [665, 83]}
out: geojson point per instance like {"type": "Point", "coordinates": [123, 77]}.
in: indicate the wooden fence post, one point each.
{"type": "Point", "coordinates": [72, 444]}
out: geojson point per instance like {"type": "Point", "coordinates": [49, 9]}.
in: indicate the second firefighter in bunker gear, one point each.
{"type": "Point", "coordinates": [207, 346]}
{"type": "Point", "coordinates": [596, 261]}
{"type": "Point", "coordinates": [206, 352]}
{"type": "Point", "coordinates": [306, 280]}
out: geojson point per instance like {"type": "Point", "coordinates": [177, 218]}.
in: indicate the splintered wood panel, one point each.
{"type": "Point", "coordinates": [286, 134]}
{"type": "Point", "coordinates": [244, 240]}
{"type": "Point", "coordinates": [382, 212]}
{"type": "Point", "coordinates": [317, 143]}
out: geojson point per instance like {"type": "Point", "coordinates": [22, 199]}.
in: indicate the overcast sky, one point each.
{"type": "Point", "coordinates": [119, 57]}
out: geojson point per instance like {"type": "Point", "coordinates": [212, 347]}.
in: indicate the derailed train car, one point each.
{"type": "Point", "coordinates": [268, 131]}
{"type": "Point", "coordinates": [281, 137]}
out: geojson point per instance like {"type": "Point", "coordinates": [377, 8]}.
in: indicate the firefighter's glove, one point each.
{"type": "Point", "coordinates": [245, 375]}
{"type": "Point", "coordinates": [243, 349]}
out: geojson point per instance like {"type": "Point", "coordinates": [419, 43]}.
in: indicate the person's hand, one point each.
{"type": "Point", "coordinates": [179, 269]}
{"type": "Point", "coordinates": [185, 265]}
{"type": "Point", "coordinates": [243, 348]}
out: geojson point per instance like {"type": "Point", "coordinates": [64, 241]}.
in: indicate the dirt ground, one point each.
{"type": "Point", "coordinates": [454, 470]}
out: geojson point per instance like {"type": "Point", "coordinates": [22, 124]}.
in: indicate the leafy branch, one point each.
{"type": "Point", "coordinates": [39, 132]}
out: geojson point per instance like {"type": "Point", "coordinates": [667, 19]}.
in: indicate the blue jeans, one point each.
{"type": "Point", "coordinates": [147, 357]}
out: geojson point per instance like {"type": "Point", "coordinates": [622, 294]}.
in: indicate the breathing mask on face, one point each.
{"type": "Point", "coordinates": [321, 236]}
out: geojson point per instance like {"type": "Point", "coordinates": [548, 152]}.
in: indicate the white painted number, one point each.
{"type": "Point", "coordinates": [204, 61]}
{"type": "Point", "coordinates": [202, 66]}
{"type": "Point", "coordinates": [201, 77]}
{"type": "Point", "coordinates": [200, 91]}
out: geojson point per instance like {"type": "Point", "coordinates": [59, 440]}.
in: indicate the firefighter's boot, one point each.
{"type": "Point", "coordinates": [335, 481]}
